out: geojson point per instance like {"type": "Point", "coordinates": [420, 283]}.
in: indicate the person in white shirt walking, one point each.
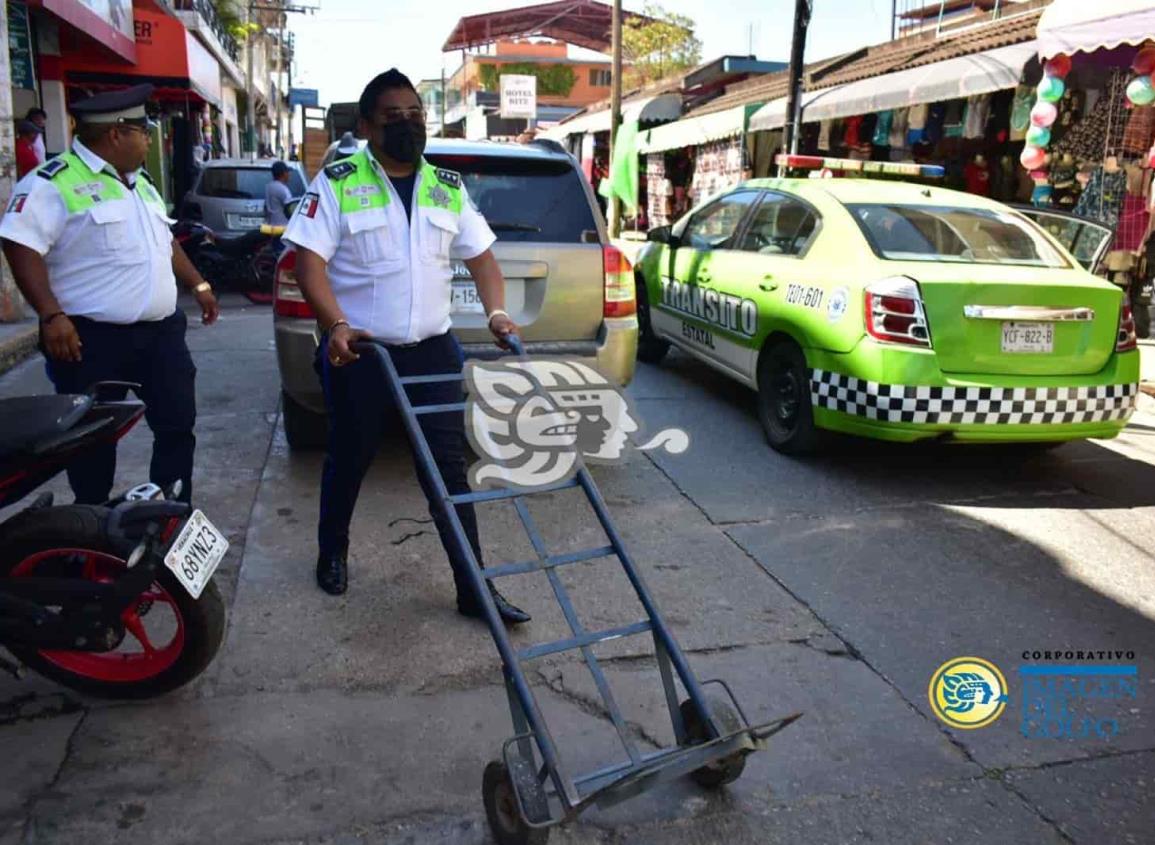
{"type": "Point", "coordinates": [40, 118]}
{"type": "Point", "coordinates": [375, 236]}
{"type": "Point", "coordinates": [278, 195]}
{"type": "Point", "coordinates": [87, 237]}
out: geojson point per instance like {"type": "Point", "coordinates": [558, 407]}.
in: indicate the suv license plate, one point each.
{"type": "Point", "coordinates": [195, 554]}
{"type": "Point", "coordinates": [1029, 337]}
{"type": "Point", "coordinates": [466, 299]}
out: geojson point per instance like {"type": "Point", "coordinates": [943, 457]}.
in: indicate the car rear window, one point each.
{"type": "Point", "coordinates": [243, 183]}
{"type": "Point", "coordinates": [962, 235]}
{"type": "Point", "coordinates": [524, 200]}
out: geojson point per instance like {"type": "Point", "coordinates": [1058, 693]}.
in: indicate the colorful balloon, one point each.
{"type": "Point", "coordinates": [1044, 114]}
{"type": "Point", "coordinates": [1059, 66]}
{"type": "Point", "coordinates": [1039, 136]}
{"type": "Point", "coordinates": [1141, 91]}
{"type": "Point", "coordinates": [1051, 89]}
{"type": "Point", "coordinates": [1032, 157]}
{"type": "Point", "coordinates": [1144, 62]}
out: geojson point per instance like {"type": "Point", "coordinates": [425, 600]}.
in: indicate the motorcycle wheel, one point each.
{"type": "Point", "coordinates": [170, 638]}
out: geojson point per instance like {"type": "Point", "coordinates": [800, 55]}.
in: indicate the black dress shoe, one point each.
{"type": "Point", "coordinates": [509, 613]}
{"type": "Point", "coordinates": [332, 575]}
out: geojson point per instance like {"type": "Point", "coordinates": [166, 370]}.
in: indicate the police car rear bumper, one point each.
{"type": "Point", "coordinates": [613, 353]}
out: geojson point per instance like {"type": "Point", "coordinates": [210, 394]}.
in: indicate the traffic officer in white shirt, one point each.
{"type": "Point", "coordinates": [374, 236]}
{"type": "Point", "coordinates": [87, 237]}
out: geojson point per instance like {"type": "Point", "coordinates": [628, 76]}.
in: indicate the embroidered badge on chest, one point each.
{"type": "Point", "coordinates": [439, 196]}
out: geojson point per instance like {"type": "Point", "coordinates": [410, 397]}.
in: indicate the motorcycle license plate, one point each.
{"type": "Point", "coordinates": [195, 554]}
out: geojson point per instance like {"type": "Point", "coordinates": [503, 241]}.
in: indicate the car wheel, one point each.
{"type": "Point", "coordinates": [784, 406]}
{"type": "Point", "coordinates": [304, 429]}
{"type": "Point", "coordinates": [651, 348]}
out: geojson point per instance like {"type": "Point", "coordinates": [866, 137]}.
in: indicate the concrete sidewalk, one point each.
{"type": "Point", "coordinates": [17, 343]}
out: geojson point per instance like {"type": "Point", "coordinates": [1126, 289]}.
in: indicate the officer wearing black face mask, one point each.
{"type": "Point", "coordinates": [375, 236]}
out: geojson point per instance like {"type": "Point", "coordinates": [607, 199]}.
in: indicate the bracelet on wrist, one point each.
{"type": "Point", "coordinates": [339, 322]}
{"type": "Point", "coordinates": [497, 312]}
{"type": "Point", "coordinates": [202, 288]}
{"type": "Point", "coordinates": [44, 321]}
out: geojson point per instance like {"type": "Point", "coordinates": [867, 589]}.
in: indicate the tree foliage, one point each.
{"type": "Point", "coordinates": [658, 47]}
{"type": "Point", "coordinates": [552, 80]}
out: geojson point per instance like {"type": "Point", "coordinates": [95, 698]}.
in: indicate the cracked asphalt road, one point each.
{"type": "Point", "coordinates": [834, 586]}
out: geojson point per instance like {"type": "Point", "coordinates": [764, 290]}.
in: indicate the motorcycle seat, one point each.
{"type": "Point", "coordinates": [27, 420]}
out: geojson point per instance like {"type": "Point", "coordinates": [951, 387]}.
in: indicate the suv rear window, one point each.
{"type": "Point", "coordinates": [525, 200]}
{"type": "Point", "coordinates": [243, 183]}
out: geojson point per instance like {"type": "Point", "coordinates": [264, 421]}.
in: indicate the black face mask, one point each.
{"type": "Point", "coordinates": [404, 140]}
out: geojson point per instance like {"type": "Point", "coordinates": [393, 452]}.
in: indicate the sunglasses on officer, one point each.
{"type": "Point", "coordinates": [392, 114]}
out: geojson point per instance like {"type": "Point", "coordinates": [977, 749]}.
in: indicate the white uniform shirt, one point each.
{"type": "Point", "coordinates": [111, 263]}
{"type": "Point", "coordinates": [38, 146]}
{"type": "Point", "coordinates": [391, 277]}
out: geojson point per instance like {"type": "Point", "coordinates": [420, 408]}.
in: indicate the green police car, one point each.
{"type": "Point", "coordinates": [890, 310]}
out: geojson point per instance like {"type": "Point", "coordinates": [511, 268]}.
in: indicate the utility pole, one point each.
{"type": "Point", "coordinates": [441, 108]}
{"type": "Point", "coordinates": [251, 88]}
{"type": "Point", "coordinates": [802, 11]}
{"type": "Point", "coordinates": [616, 111]}
{"type": "Point", "coordinates": [277, 90]}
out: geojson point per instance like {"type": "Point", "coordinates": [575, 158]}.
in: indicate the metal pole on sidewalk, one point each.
{"type": "Point", "coordinates": [802, 10]}
{"type": "Point", "coordinates": [11, 302]}
{"type": "Point", "coordinates": [278, 93]}
{"type": "Point", "coordinates": [616, 111]}
{"type": "Point", "coordinates": [251, 93]}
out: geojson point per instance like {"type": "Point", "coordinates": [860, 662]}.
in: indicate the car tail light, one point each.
{"type": "Point", "coordinates": [620, 297]}
{"type": "Point", "coordinates": [288, 301]}
{"type": "Point", "coordinates": [895, 313]}
{"type": "Point", "coordinates": [1126, 339]}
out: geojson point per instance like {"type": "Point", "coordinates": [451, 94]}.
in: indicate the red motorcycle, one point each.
{"type": "Point", "coordinates": [113, 600]}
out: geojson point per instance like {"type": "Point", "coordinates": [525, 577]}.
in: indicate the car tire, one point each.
{"type": "Point", "coordinates": [784, 406]}
{"type": "Point", "coordinates": [651, 348]}
{"type": "Point", "coordinates": [304, 429]}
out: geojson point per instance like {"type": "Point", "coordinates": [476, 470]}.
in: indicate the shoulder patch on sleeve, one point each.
{"type": "Point", "coordinates": [449, 177]}
{"type": "Point", "coordinates": [52, 169]}
{"type": "Point", "coordinates": [339, 169]}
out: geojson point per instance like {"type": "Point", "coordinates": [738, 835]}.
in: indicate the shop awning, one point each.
{"type": "Point", "coordinates": [695, 131]}
{"type": "Point", "coordinates": [167, 55]}
{"type": "Point", "coordinates": [964, 76]}
{"type": "Point", "coordinates": [773, 114]}
{"type": "Point", "coordinates": [644, 109]}
{"type": "Point", "coordinates": [1082, 26]}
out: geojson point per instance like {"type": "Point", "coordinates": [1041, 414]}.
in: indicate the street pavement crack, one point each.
{"type": "Point", "coordinates": [30, 804]}
{"type": "Point", "coordinates": [32, 707]}
{"type": "Point", "coordinates": [593, 707]}
{"type": "Point", "coordinates": [409, 537]}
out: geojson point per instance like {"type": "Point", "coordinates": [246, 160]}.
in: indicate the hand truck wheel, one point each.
{"type": "Point", "coordinates": [728, 769]}
{"type": "Point", "coordinates": [499, 795]}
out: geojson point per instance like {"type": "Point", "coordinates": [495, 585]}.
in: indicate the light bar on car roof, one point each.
{"type": "Point", "coordinates": [851, 165]}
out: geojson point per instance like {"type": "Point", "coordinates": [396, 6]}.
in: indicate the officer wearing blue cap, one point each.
{"type": "Point", "coordinates": [87, 236]}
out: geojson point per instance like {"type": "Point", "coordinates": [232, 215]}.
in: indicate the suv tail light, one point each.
{"type": "Point", "coordinates": [288, 301]}
{"type": "Point", "coordinates": [895, 313]}
{"type": "Point", "coordinates": [620, 295]}
{"type": "Point", "coordinates": [1126, 339]}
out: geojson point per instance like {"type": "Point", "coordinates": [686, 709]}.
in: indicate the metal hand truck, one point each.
{"type": "Point", "coordinates": [522, 789]}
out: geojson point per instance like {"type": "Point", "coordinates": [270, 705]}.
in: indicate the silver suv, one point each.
{"type": "Point", "coordinates": [571, 292]}
{"type": "Point", "coordinates": [229, 194]}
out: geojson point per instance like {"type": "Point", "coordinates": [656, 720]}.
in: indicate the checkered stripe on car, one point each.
{"type": "Point", "coordinates": [904, 403]}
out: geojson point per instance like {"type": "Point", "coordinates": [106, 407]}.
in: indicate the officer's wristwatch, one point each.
{"type": "Point", "coordinates": [497, 312]}
{"type": "Point", "coordinates": [202, 288]}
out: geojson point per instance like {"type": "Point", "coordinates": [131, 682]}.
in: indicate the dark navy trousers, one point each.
{"type": "Point", "coordinates": [359, 404]}
{"type": "Point", "coordinates": [155, 356]}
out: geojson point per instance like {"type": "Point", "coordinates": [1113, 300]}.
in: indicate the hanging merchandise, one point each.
{"type": "Point", "coordinates": [978, 176]}
{"type": "Point", "coordinates": [1101, 130]}
{"type": "Point", "coordinates": [1102, 199]}
{"type": "Point", "coordinates": [824, 135]}
{"type": "Point", "coordinates": [1064, 179]}
{"type": "Point", "coordinates": [1021, 112]}
{"type": "Point", "coordinates": [1038, 136]}
{"type": "Point", "coordinates": [952, 124]}
{"type": "Point", "coordinates": [916, 123]}
{"type": "Point", "coordinates": [1134, 215]}
{"type": "Point", "coordinates": [978, 112]}
{"type": "Point", "coordinates": [1044, 113]}
{"type": "Point", "coordinates": [718, 166]}
{"type": "Point", "coordinates": [1140, 131]}
{"type": "Point", "coordinates": [899, 122]}
{"type": "Point", "coordinates": [882, 129]}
